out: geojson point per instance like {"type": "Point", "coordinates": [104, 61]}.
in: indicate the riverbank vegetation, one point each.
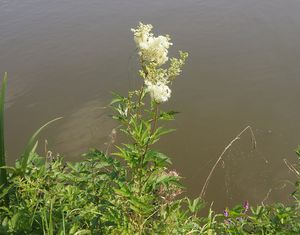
{"type": "Point", "coordinates": [127, 188]}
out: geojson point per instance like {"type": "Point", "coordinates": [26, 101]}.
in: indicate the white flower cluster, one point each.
{"type": "Point", "coordinates": [153, 52]}
{"type": "Point", "coordinates": [159, 92]}
{"type": "Point", "coordinates": [152, 49]}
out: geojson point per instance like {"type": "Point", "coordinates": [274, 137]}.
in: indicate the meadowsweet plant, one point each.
{"type": "Point", "coordinates": [150, 189]}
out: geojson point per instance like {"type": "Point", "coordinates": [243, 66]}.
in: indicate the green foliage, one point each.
{"type": "Point", "coordinates": [57, 198]}
{"type": "Point", "coordinates": [148, 193]}
{"type": "Point", "coordinates": [272, 219]}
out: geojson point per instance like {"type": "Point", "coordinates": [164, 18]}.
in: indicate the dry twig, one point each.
{"type": "Point", "coordinates": [222, 154]}
{"type": "Point", "coordinates": [291, 167]}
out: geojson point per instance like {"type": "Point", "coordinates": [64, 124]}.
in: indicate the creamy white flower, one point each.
{"type": "Point", "coordinates": [156, 49]}
{"type": "Point", "coordinates": [141, 34]}
{"type": "Point", "coordinates": [159, 91]}
{"type": "Point", "coordinates": [152, 49]}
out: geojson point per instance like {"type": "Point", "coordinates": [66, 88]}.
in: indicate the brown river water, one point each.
{"type": "Point", "coordinates": [64, 57]}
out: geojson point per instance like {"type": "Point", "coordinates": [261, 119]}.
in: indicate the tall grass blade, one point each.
{"type": "Point", "coordinates": [3, 174]}
{"type": "Point", "coordinates": [30, 146]}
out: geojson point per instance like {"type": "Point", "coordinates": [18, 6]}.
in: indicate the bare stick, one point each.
{"type": "Point", "coordinates": [112, 139]}
{"type": "Point", "coordinates": [266, 197]}
{"type": "Point", "coordinates": [222, 154]}
{"type": "Point", "coordinates": [291, 167]}
{"type": "Point", "coordinates": [269, 192]}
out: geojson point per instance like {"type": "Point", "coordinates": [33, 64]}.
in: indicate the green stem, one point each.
{"type": "Point", "coordinates": [147, 146]}
{"type": "Point", "coordinates": [155, 119]}
{"type": "Point", "coordinates": [140, 101]}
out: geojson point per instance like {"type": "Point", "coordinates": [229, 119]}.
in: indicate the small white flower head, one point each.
{"type": "Point", "coordinates": [152, 49]}
{"type": "Point", "coordinates": [159, 92]}
{"type": "Point", "coordinates": [141, 34]}
{"type": "Point", "coordinates": [156, 49]}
